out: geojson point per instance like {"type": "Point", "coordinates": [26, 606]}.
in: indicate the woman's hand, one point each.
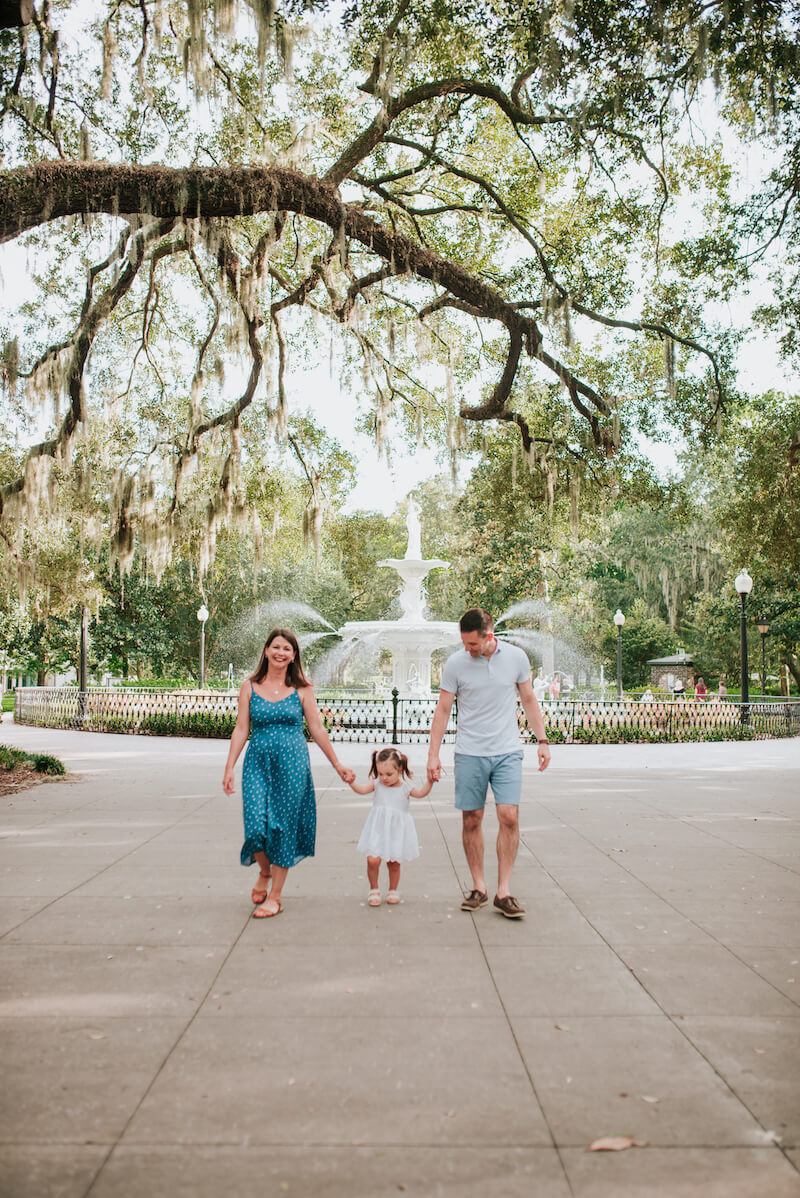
{"type": "Point", "coordinates": [228, 784]}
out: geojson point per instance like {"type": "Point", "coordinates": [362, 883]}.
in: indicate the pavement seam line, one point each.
{"type": "Point", "coordinates": [110, 865]}
{"type": "Point", "coordinates": [686, 822]}
{"type": "Point", "coordinates": [574, 828]}
{"type": "Point", "coordinates": [178, 1040]}
{"type": "Point", "coordinates": [506, 1016]}
{"type": "Point", "coordinates": [673, 1021]}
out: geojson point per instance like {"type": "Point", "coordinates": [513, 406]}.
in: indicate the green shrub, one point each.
{"type": "Point", "coordinates": [161, 725]}
{"type": "Point", "coordinates": [43, 763]}
{"type": "Point", "coordinates": [11, 758]}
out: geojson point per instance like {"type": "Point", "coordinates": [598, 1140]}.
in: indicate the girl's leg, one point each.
{"type": "Point", "coordinates": [394, 874]}
{"type": "Point", "coordinates": [373, 865]}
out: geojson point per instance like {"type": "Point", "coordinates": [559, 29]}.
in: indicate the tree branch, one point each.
{"type": "Point", "coordinates": [92, 318]}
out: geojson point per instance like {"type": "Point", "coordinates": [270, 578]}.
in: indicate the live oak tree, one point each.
{"type": "Point", "coordinates": [754, 489]}
{"type": "Point", "coordinates": [466, 206]}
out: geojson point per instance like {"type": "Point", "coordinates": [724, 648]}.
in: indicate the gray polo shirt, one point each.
{"type": "Point", "coordinates": [486, 688]}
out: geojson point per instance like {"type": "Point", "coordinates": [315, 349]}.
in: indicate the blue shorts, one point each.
{"type": "Point", "coordinates": [474, 775]}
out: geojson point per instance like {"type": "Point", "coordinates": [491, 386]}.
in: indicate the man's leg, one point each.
{"type": "Point", "coordinates": [472, 781]}
{"type": "Point", "coordinates": [507, 787]}
{"type": "Point", "coordinates": [472, 839]}
{"type": "Point", "coordinates": [507, 845]}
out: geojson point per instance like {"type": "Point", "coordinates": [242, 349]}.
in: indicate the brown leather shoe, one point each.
{"type": "Point", "coordinates": [475, 899]}
{"type": "Point", "coordinates": [509, 907]}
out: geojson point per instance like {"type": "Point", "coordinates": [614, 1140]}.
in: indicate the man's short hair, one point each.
{"type": "Point", "coordinates": [476, 620]}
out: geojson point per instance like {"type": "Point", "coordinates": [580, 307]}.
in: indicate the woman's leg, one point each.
{"type": "Point", "coordinates": [261, 888]}
{"type": "Point", "coordinates": [279, 875]}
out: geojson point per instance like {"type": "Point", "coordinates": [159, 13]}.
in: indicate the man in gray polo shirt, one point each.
{"type": "Point", "coordinates": [487, 675]}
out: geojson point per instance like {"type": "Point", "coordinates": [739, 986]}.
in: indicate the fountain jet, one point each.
{"type": "Point", "coordinates": [411, 639]}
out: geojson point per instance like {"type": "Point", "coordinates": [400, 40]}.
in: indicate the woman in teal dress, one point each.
{"type": "Point", "coordinates": [280, 812]}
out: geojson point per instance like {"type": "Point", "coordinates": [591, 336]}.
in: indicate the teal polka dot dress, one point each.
{"type": "Point", "coordinates": [280, 811]}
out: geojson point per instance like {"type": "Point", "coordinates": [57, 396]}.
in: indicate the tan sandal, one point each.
{"type": "Point", "coordinates": [256, 893]}
{"type": "Point", "coordinates": [265, 913]}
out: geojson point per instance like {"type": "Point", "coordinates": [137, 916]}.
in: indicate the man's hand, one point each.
{"type": "Point", "coordinates": [543, 753]}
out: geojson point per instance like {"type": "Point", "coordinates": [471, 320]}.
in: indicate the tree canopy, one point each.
{"type": "Point", "coordinates": [475, 209]}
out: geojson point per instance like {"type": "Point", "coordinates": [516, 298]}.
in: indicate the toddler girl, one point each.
{"type": "Point", "coordinates": [389, 832]}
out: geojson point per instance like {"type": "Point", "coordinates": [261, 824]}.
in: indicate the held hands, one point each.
{"type": "Point", "coordinates": [346, 774]}
{"type": "Point", "coordinates": [434, 769]}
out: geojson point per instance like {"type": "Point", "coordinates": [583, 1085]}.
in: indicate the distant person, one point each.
{"type": "Point", "coordinates": [722, 689]}
{"type": "Point", "coordinates": [389, 834]}
{"type": "Point", "coordinates": [280, 812]}
{"type": "Point", "coordinates": [555, 687]}
{"type": "Point", "coordinates": [700, 690]}
{"type": "Point", "coordinates": [678, 691]}
{"type": "Point", "coordinates": [647, 696]}
{"type": "Point", "coordinates": [539, 687]}
{"type": "Point", "coordinates": [488, 676]}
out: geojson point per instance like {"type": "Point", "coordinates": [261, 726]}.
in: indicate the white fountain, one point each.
{"type": "Point", "coordinates": [411, 639]}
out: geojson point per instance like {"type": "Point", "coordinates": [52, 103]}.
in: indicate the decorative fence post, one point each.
{"type": "Point", "coordinates": [395, 703]}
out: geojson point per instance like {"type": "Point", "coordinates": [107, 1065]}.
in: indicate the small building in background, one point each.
{"type": "Point", "coordinates": [672, 673]}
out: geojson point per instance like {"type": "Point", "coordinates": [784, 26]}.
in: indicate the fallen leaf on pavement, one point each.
{"type": "Point", "coordinates": [615, 1144]}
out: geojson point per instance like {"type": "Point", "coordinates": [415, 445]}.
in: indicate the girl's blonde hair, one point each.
{"type": "Point", "coordinates": [381, 755]}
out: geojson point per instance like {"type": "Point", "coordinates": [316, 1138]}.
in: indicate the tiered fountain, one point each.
{"type": "Point", "coordinates": [411, 639]}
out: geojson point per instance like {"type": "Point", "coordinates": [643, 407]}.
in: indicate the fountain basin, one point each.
{"type": "Point", "coordinates": [410, 643]}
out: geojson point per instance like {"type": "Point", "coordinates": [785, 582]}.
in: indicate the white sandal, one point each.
{"type": "Point", "coordinates": [374, 899]}
{"type": "Point", "coordinates": [393, 897]}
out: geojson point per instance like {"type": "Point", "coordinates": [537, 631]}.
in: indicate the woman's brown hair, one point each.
{"type": "Point", "coordinates": [294, 671]}
{"type": "Point", "coordinates": [400, 760]}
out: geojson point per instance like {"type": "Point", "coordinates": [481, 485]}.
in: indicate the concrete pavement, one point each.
{"type": "Point", "coordinates": [156, 1040]}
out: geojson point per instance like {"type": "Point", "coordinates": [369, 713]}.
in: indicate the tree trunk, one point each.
{"type": "Point", "coordinates": [793, 665]}
{"type": "Point", "coordinates": [15, 13]}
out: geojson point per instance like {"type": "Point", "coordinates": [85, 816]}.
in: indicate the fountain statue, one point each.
{"type": "Point", "coordinates": [411, 639]}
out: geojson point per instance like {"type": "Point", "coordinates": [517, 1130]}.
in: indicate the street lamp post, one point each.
{"type": "Point", "coordinates": [83, 661]}
{"type": "Point", "coordinates": [744, 585]}
{"type": "Point", "coordinates": [763, 628]}
{"type": "Point", "coordinates": [202, 616]}
{"type": "Point", "coordinates": [619, 620]}
{"type": "Point", "coordinates": [83, 654]}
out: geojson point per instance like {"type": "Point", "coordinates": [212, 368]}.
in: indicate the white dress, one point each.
{"type": "Point", "coordinates": [389, 832]}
